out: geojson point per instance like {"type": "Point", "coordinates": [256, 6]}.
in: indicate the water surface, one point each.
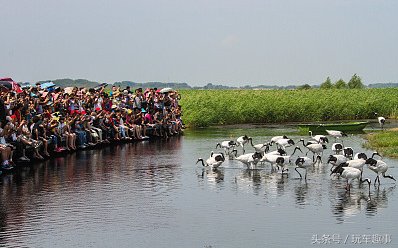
{"type": "Point", "coordinates": [151, 194]}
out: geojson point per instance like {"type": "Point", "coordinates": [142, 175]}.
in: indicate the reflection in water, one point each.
{"type": "Point", "coordinates": [379, 199]}
{"type": "Point", "coordinates": [261, 181]}
{"type": "Point", "coordinates": [349, 204]}
{"type": "Point", "coordinates": [213, 176]}
{"type": "Point", "coordinates": [301, 193]}
{"type": "Point", "coordinates": [87, 183]}
{"type": "Point", "coordinates": [251, 178]}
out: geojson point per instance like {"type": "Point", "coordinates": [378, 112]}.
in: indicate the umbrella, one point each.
{"type": "Point", "coordinates": [6, 79]}
{"type": "Point", "coordinates": [47, 85]}
{"type": "Point", "coordinates": [26, 85]}
{"type": "Point", "coordinates": [166, 90]}
{"type": "Point", "coordinates": [6, 85]}
{"type": "Point", "coordinates": [68, 90]}
{"type": "Point", "coordinates": [9, 84]}
{"type": "Point", "coordinates": [100, 86]}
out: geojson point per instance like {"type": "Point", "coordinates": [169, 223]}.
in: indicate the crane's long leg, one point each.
{"type": "Point", "coordinates": [377, 178]}
{"type": "Point", "coordinates": [388, 176]}
{"type": "Point", "coordinates": [299, 172]}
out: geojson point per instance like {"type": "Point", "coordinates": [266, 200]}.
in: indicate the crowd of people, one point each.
{"type": "Point", "coordinates": [34, 122]}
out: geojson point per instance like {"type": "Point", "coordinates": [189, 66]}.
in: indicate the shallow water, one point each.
{"type": "Point", "coordinates": [151, 194]}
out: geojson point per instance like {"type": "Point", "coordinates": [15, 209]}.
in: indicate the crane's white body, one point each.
{"type": "Point", "coordinates": [262, 148]}
{"type": "Point", "coordinates": [304, 163]}
{"type": "Point", "coordinates": [214, 161]}
{"type": "Point", "coordinates": [227, 145]}
{"type": "Point", "coordinates": [378, 167]}
{"type": "Point", "coordinates": [283, 143]}
{"type": "Point", "coordinates": [249, 159]}
{"type": "Point", "coordinates": [381, 121]}
{"type": "Point", "coordinates": [277, 160]}
{"type": "Point", "coordinates": [356, 163]}
{"type": "Point", "coordinates": [316, 148]}
{"type": "Point", "coordinates": [335, 133]}
{"type": "Point", "coordinates": [319, 138]}
{"type": "Point", "coordinates": [242, 141]}
{"type": "Point", "coordinates": [272, 159]}
{"type": "Point", "coordinates": [350, 173]}
{"type": "Point", "coordinates": [336, 160]}
{"type": "Point", "coordinates": [276, 138]}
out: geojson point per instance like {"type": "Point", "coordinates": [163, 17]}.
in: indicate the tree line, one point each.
{"type": "Point", "coordinates": [354, 83]}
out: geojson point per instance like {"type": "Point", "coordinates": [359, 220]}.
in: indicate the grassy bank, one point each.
{"type": "Point", "coordinates": [217, 107]}
{"type": "Point", "coordinates": [385, 142]}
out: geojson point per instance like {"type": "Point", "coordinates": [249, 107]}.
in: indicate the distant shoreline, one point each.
{"type": "Point", "coordinates": [176, 85]}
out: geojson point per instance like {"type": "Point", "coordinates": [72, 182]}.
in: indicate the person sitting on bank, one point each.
{"type": "Point", "coordinates": [25, 138]}
{"type": "Point", "coordinates": [62, 131]}
{"type": "Point", "coordinates": [91, 134]}
{"type": "Point", "coordinates": [6, 151]}
{"type": "Point", "coordinates": [39, 133]}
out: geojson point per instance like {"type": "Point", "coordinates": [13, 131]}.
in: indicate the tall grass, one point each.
{"type": "Point", "coordinates": [214, 107]}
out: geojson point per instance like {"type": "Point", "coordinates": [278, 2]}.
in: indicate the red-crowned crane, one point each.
{"type": "Point", "coordinates": [336, 160]}
{"type": "Point", "coordinates": [242, 140]}
{"type": "Point", "coordinates": [336, 134]}
{"type": "Point", "coordinates": [214, 161]}
{"type": "Point", "coordinates": [262, 148]}
{"type": "Point", "coordinates": [319, 138]}
{"type": "Point", "coordinates": [278, 160]}
{"type": "Point", "coordinates": [350, 174]}
{"type": "Point", "coordinates": [250, 159]}
{"type": "Point", "coordinates": [276, 138]}
{"type": "Point", "coordinates": [337, 148]}
{"type": "Point", "coordinates": [305, 163]}
{"type": "Point", "coordinates": [283, 143]}
{"type": "Point", "coordinates": [381, 120]}
{"type": "Point", "coordinates": [316, 149]}
{"type": "Point", "coordinates": [378, 167]}
{"type": "Point", "coordinates": [227, 145]}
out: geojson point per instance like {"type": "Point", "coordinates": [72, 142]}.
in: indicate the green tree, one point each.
{"type": "Point", "coordinates": [340, 84]}
{"type": "Point", "coordinates": [304, 87]}
{"type": "Point", "coordinates": [327, 84]}
{"type": "Point", "coordinates": [355, 82]}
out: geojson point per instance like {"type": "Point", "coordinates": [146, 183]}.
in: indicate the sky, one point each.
{"type": "Point", "coordinates": [229, 42]}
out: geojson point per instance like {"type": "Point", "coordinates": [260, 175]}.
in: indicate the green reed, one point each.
{"type": "Point", "coordinates": [203, 108]}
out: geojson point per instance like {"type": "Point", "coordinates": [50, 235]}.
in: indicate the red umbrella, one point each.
{"type": "Point", "coordinates": [9, 84]}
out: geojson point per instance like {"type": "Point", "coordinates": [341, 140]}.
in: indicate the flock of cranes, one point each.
{"type": "Point", "coordinates": [344, 163]}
